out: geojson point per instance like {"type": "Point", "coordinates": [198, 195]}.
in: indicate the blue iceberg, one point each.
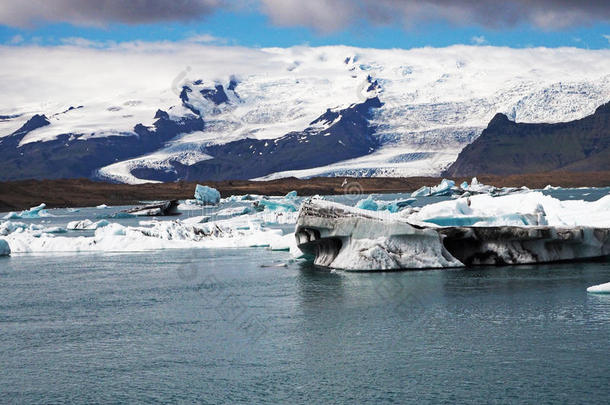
{"type": "Point", "coordinates": [34, 212]}
{"type": "Point", "coordinates": [5, 250]}
{"type": "Point", "coordinates": [206, 195]}
{"type": "Point", "coordinates": [368, 204]}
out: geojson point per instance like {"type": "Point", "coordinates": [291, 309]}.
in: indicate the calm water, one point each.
{"type": "Point", "coordinates": [153, 327]}
{"type": "Point", "coordinates": [229, 326]}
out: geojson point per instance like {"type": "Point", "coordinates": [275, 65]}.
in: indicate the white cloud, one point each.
{"type": "Point", "coordinates": [205, 39]}
{"type": "Point", "coordinates": [478, 40]}
{"type": "Point", "coordinates": [607, 37]}
{"type": "Point", "coordinates": [17, 39]}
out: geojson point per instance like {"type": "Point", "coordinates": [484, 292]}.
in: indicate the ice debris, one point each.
{"type": "Point", "coordinates": [206, 195]}
{"type": "Point", "coordinates": [102, 207]}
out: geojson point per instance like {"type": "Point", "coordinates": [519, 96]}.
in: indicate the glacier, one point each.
{"type": "Point", "coordinates": [434, 100]}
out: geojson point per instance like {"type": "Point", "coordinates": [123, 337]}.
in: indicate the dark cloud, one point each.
{"type": "Point", "coordinates": [328, 15]}
{"type": "Point", "coordinates": [102, 12]}
{"type": "Point", "coordinates": [324, 15]}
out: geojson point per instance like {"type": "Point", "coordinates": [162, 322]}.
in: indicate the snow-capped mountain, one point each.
{"type": "Point", "coordinates": [156, 112]}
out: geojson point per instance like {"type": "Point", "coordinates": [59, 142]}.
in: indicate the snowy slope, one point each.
{"type": "Point", "coordinates": [435, 101]}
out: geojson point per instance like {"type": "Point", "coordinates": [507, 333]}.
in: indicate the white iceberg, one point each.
{"type": "Point", "coordinates": [205, 195]}
{"type": "Point", "coordinates": [599, 289]}
{"type": "Point", "coordinates": [102, 207]}
{"type": "Point", "coordinates": [5, 250]}
{"type": "Point", "coordinates": [527, 208]}
{"type": "Point", "coordinates": [244, 231]}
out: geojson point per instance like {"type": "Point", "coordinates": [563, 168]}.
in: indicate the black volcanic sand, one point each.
{"type": "Point", "coordinates": [21, 195]}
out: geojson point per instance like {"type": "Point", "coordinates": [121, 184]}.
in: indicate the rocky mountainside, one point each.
{"type": "Point", "coordinates": [507, 147]}
{"type": "Point", "coordinates": [135, 114]}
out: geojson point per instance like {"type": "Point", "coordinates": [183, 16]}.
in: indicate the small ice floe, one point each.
{"type": "Point", "coordinates": [86, 224]}
{"type": "Point", "coordinates": [370, 204]}
{"type": "Point", "coordinates": [272, 265]}
{"type": "Point", "coordinates": [34, 212]}
{"type": "Point", "coordinates": [102, 207]}
{"type": "Point", "coordinates": [445, 188]}
{"type": "Point", "coordinates": [5, 250]}
{"type": "Point", "coordinates": [205, 195]}
{"type": "Point", "coordinates": [162, 209]}
{"type": "Point", "coordinates": [599, 289]}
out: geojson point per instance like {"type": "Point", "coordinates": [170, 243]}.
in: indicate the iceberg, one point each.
{"type": "Point", "coordinates": [480, 230]}
{"type": "Point", "coordinates": [236, 232]}
{"type": "Point", "coordinates": [102, 207]}
{"type": "Point", "coordinates": [599, 289]}
{"type": "Point", "coordinates": [5, 250]}
{"type": "Point", "coordinates": [281, 205]}
{"type": "Point", "coordinates": [34, 212]}
{"type": "Point", "coordinates": [291, 195]}
{"type": "Point", "coordinates": [86, 224]}
{"type": "Point", "coordinates": [445, 188]}
{"type": "Point", "coordinates": [368, 204]}
{"type": "Point", "coordinates": [205, 195]}
{"type": "Point", "coordinates": [162, 209]}
{"type": "Point", "coordinates": [393, 206]}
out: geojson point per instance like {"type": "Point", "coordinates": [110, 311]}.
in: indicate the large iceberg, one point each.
{"type": "Point", "coordinates": [470, 231]}
{"type": "Point", "coordinates": [5, 250]}
{"type": "Point", "coordinates": [205, 195]}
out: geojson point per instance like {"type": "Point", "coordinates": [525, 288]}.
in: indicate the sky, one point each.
{"type": "Point", "coordinates": [283, 23]}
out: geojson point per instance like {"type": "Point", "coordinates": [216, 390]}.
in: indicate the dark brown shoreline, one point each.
{"type": "Point", "coordinates": [21, 195]}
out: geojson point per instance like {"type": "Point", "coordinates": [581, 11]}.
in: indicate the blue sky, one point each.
{"type": "Point", "coordinates": [255, 29]}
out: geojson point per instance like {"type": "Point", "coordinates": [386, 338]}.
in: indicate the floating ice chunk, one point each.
{"type": "Point", "coordinates": [276, 205]}
{"type": "Point", "coordinates": [421, 192]}
{"type": "Point", "coordinates": [206, 195]}
{"type": "Point", "coordinates": [445, 188]}
{"type": "Point", "coordinates": [5, 250]}
{"type": "Point", "coordinates": [397, 205]}
{"type": "Point", "coordinates": [10, 227]}
{"type": "Point", "coordinates": [102, 207]}
{"type": "Point", "coordinates": [347, 238]}
{"type": "Point", "coordinates": [368, 204]}
{"type": "Point", "coordinates": [291, 195]}
{"type": "Point", "coordinates": [234, 211]}
{"type": "Point", "coordinates": [393, 206]}
{"type": "Point", "coordinates": [87, 224]}
{"type": "Point", "coordinates": [34, 212]}
{"type": "Point", "coordinates": [599, 289]}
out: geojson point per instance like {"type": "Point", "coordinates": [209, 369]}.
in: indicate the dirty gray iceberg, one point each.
{"type": "Point", "coordinates": [342, 237]}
